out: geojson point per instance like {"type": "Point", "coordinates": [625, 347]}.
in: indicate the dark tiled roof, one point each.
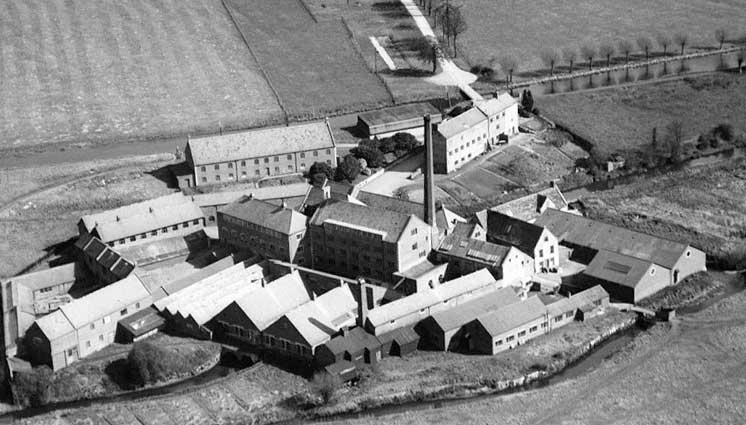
{"type": "Point", "coordinates": [108, 258]}
{"type": "Point", "coordinates": [464, 313]}
{"type": "Point", "coordinates": [142, 322]}
{"type": "Point", "coordinates": [512, 316]}
{"type": "Point", "coordinates": [389, 222]}
{"type": "Point", "coordinates": [474, 250]}
{"type": "Point", "coordinates": [512, 231]}
{"type": "Point", "coordinates": [265, 214]}
{"type": "Point", "coordinates": [355, 341]}
{"type": "Point", "coordinates": [402, 336]}
{"type": "Point", "coordinates": [389, 203]}
{"type": "Point", "coordinates": [617, 268]}
{"type": "Point", "coordinates": [594, 234]}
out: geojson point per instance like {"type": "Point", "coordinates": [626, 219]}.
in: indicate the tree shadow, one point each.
{"type": "Point", "coordinates": [119, 373]}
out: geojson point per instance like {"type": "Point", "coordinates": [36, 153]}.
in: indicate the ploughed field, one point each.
{"type": "Point", "coordinates": [104, 70]}
{"type": "Point", "coordinates": [523, 29]}
{"type": "Point", "coordinates": [623, 118]}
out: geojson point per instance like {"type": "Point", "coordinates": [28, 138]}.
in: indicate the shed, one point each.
{"type": "Point", "coordinates": [140, 325]}
{"type": "Point", "coordinates": [356, 345]}
{"type": "Point", "coordinates": [384, 122]}
{"type": "Point", "coordinates": [399, 342]}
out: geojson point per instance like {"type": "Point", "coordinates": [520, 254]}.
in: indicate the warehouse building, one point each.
{"type": "Point", "coordinates": [509, 326]}
{"type": "Point", "coordinates": [292, 194]}
{"type": "Point", "coordinates": [535, 240]}
{"type": "Point", "coordinates": [389, 121]}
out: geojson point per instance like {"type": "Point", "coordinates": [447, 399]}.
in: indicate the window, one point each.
{"type": "Point", "coordinates": [541, 253]}
{"type": "Point", "coordinates": [546, 238]}
{"type": "Point", "coordinates": [257, 172]}
{"type": "Point", "coordinates": [243, 174]}
{"type": "Point", "coordinates": [551, 249]}
{"type": "Point", "coordinates": [266, 160]}
{"type": "Point", "coordinates": [217, 178]}
{"type": "Point", "coordinates": [137, 305]}
{"type": "Point", "coordinates": [133, 238]}
{"type": "Point", "coordinates": [217, 166]}
{"type": "Point", "coordinates": [328, 151]}
{"type": "Point", "coordinates": [302, 154]}
{"type": "Point", "coordinates": [88, 344]}
{"type": "Point", "coordinates": [176, 227]}
{"type": "Point", "coordinates": [329, 161]}
{"type": "Point", "coordinates": [230, 165]}
{"type": "Point", "coordinates": [195, 221]}
{"type": "Point", "coordinates": [154, 233]}
{"type": "Point", "coordinates": [414, 246]}
{"type": "Point", "coordinates": [230, 176]}
{"type": "Point", "coordinates": [204, 179]}
{"type": "Point", "coordinates": [122, 312]}
{"type": "Point", "coordinates": [121, 241]}
{"type": "Point", "coordinates": [414, 231]}
{"type": "Point", "coordinates": [303, 165]}
{"type": "Point", "coordinates": [203, 168]}
{"type": "Point", "coordinates": [689, 253]}
{"type": "Point", "coordinates": [499, 342]}
{"type": "Point", "coordinates": [652, 272]}
{"type": "Point", "coordinates": [256, 162]}
{"type": "Point", "coordinates": [510, 338]}
{"type": "Point", "coordinates": [533, 329]}
{"type": "Point", "coordinates": [100, 337]}
{"type": "Point", "coordinates": [315, 153]}
{"type": "Point", "coordinates": [568, 315]}
{"type": "Point", "coordinates": [290, 156]}
{"type": "Point", "coordinates": [277, 159]}
{"type": "Point", "coordinates": [93, 326]}
{"type": "Point", "coordinates": [164, 230]}
{"type": "Point", "coordinates": [143, 236]}
{"type": "Point", "coordinates": [290, 168]}
{"type": "Point", "coordinates": [557, 318]}
{"type": "Point", "coordinates": [277, 169]}
{"type": "Point", "coordinates": [243, 163]}
{"type": "Point", "coordinates": [544, 325]}
{"type": "Point", "coordinates": [521, 334]}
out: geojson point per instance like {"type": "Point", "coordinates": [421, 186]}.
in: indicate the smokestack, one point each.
{"type": "Point", "coordinates": [363, 304]}
{"type": "Point", "coordinates": [429, 199]}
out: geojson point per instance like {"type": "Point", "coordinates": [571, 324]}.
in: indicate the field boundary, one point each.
{"type": "Point", "coordinates": [359, 50]}
{"type": "Point", "coordinates": [259, 64]}
{"type": "Point", "coordinates": [308, 9]}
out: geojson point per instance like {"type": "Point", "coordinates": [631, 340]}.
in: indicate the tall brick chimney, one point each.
{"type": "Point", "coordinates": [429, 198]}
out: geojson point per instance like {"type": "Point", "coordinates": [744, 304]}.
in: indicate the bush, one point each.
{"type": "Point", "coordinates": [556, 138]}
{"type": "Point", "coordinates": [348, 169]}
{"type": "Point", "coordinates": [33, 388]}
{"type": "Point", "coordinates": [321, 168]}
{"type": "Point", "coordinates": [724, 132]}
{"type": "Point", "coordinates": [404, 142]}
{"type": "Point", "coordinates": [373, 157]}
{"type": "Point", "coordinates": [326, 385]}
{"type": "Point", "coordinates": [387, 145]}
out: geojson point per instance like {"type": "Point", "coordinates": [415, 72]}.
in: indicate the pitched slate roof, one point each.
{"type": "Point", "coordinates": [457, 125]}
{"type": "Point", "coordinates": [390, 203]}
{"type": "Point", "coordinates": [131, 210]}
{"type": "Point", "coordinates": [528, 208]}
{"type": "Point", "coordinates": [473, 249]}
{"type": "Point", "coordinates": [512, 316]}
{"type": "Point", "coordinates": [389, 224]}
{"type": "Point", "coordinates": [142, 322]}
{"type": "Point", "coordinates": [422, 268]}
{"type": "Point", "coordinates": [462, 314]}
{"type": "Point", "coordinates": [99, 252]}
{"type": "Point", "coordinates": [318, 319]}
{"type": "Point", "coordinates": [617, 268]}
{"type": "Point", "coordinates": [512, 231]}
{"type": "Point", "coordinates": [262, 213]}
{"type": "Point", "coordinates": [260, 142]}
{"type": "Point", "coordinates": [264, 306]}
{"type": "Point", "coordinates": [594, 234]}
{"type": "Point", "coordinates": [266, 193]}
{"type": "Point", "coordinates": [576, 301]}
{"type": "Point", "coordinates": [496, 105]}
{"type": "Point", "coordinates": [107, 300]}
{"type": "Point", "coordinates": [55, 325]}
{"type": "Point", "coordinates": [397, 114]}
{"type": "Point", "coordinates": [403, 335]}
{"type": "Point", "coordinates": [355, 341]}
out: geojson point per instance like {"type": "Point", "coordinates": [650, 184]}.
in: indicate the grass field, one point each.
{"type": "Point", "coordinates": [524, 28]}
{"type": "Point", "coordinates": [703, 206]}
{"type": "Point", "coordinates": [623, 118]}
{"type": "Point", "coordinates": [313, 65]}
{"type": "Point", "coordinates": [95, 71]}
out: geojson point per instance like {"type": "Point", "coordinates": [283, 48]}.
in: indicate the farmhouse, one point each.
{"type": "Point", "coordinates": [85, 325]}
{"type": "Point", "coordinates": [244, 319]}
{"type": "Point", "coordinates": [385, 242]}
{"type": "Point", "coordinates": [303, 329]}
{"type": "Point", "coordinates": [588, 238]}
{"type": "Point", "coordinates": [292, 194]}
{"type": "Point", "coordinates": [405, 118]}
{"type": "Point", "coordinates": [532, 239]}
{"type": "Point", "coordinates": [465, 255]}
{"type": "Point", "coordinates": [410, 310]}
{"type": "Point", "coordinates": [509, 326]}
{"type": "Point", "coordinates": [257, 153]}
{"type": "Point", "coordinates": [272, 231]}
{"type": "Point", "coordinates": [166, 216]}
{"type": "Point", "coordinates": [444, 330]}
{"type": "Point", "coordinates": [464, 137]}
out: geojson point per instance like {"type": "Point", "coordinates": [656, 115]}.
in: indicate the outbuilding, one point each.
{"type": "Point", "coordinates": [399, 342]}
{"type": "Point", "coordinates": [389, 121]}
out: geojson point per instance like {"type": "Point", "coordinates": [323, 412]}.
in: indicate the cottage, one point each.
{"type": "Point", "coordinates": [257, 153]}
{"type": "Point", "coordinates": [509, 326]}
{"type": "Point", "coordinates": [534, 240]}
{"type": "Point", "coordinates": [444, 330]}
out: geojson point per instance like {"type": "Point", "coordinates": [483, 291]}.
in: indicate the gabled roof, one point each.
{"type": "Point", "coordinates": [496, 105]}
{"type": "Point", "coordinates": [355, 341]}
{"type": "Point", "coordinates": [142, 322]}
{"type": "Point", "coordinates": [99, 252]}
{"type": "Point", "coordinates": [396, 114]}
{"type": "Point", "coordinates": [260, 142]}
{"type": "Point", "coordinates": [473, 249]}
{"type": "Point", "coordinates": [266, 193]}
{"type": "Point", "coordinates": [389, 224]}
{"type": "Point", "coordinates": [576, 301]}
{"type": "Point", "coordinates": [512, 231]}
{"type": "Point", "coordinates": [157, 217]}
{"type": "Point", "coordinates": [130, 210]}
{"type": "Point", "coordinates": [403, 335]}
{"type": "Point", "coordinates": [55, 325]}
{"type": "Point", "coordinates": [262, 213]}
{"type": "Point", "coordinates": [319, 319]}
{"type": "Point", "coordinates": [107, 300]}
{"type": "Point", "coordinates": [596, 235]}
{"type": "Point", "coordinates": [389, 203]}
{"type": "Point", "coordinates": [462, 314]}
{"type": "Point", "coordinates": [447, 220]}
{"type": "Point", "coordinates": [422, 268]}
{"type": "Point", "coordinates": [529, 207]}
{"type": "Point", "coordinates": [457, 125]}
{"type": "Point", "coordinates": [512, 316]}
{"type": "Point", "coordinates": [424, 299]}
{"type": "Point", "coordinates": [264, 306]}
{"type": "Point", "coordinates": [617, 268]}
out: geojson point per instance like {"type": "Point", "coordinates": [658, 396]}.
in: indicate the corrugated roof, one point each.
{"type": "Point", "coordinates": [265, 305]}
{"type": "Point", "coordinates": [512, 231]}
{"type": "Point", "coordinates": [462, 314]}
{"type": "Point", "coordinates": [594, 234]}
{"type": "Point", "coordinates": [512, 316]}
{"type": "Point", "coordinates": [617, 268]}
{"type": "Point", "coordinates": [156, 218]}
{"type": "Point", "coordinates": [496, 105]}
{"type": "Point", "coordinates": [459, 246]}
{"type": "Point", "coordinates": [528, 208]}
{"type": "Point", "coordinates": [137, 208]}
{"type": "Point", "coordinates": [265, 193]}
{"type": "Point", "coordinates": [424, 299]}
{"type": "Point", "coordinates": [107, 300]}
{"type": "Point", "coordinates": [390, 224]}
{"type": "Point", "coordinates": [457, 125]}
{"type": "Point", "coordinates": [262, 213]}
{"type": "Point", "coordinates": [260, 142]}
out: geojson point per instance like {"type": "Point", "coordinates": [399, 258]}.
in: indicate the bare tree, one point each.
{"type": "Point", "coordinates": [740, 58]}
{"type": "Point", "coordinates": [426, 49]}
{"type": "Point", "coordinates": [588, 53]}
{"type": "Point", "coordinates": [664, 41]}
{"type": "Point", "coordinates": [569, 55]}
{"type": "Point", "coordinates": [645, 45]}
{"type": "Point", "coordinates": [675, 131]}
{"type": "Point", "coordinates": [721, 35]}
{"type": "Point", "coordinates": [681, 39]}
{"type": "Point", "coordinates": [606, 50]}
{"type": "Point", "coordinates": [509, 65]}
{"type": "Point", "coordinates": [550, 57]}
{"type": "Point", "coordinates": [625, 48]}
{"type": "Point", "coordinates": [458, 26]}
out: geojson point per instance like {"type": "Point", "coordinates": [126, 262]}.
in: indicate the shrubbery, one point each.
{"type": "Point", "coordinates": [149, 363]}
{"type": "Point", "coordinates": [33, 388]}
{"type": "Point", "coordinates": [326, 385]}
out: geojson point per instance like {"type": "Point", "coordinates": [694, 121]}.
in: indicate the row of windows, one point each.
{"type": "Point", "coordinates": [551, 250]}
{"type": "Point", "coordinates": [133, 238]}
{"type": "Point", "coordinates": [266, 160]}
{"type": "Point", "coordinates": [521, 334]}
{"type": "Point", "coordinates": [268, 340]}
{"type": "Point", "coordinates": [100, 339]}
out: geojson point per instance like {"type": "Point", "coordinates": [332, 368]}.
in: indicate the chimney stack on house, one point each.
{"type": "Point", "coordinates": [429, 199]}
